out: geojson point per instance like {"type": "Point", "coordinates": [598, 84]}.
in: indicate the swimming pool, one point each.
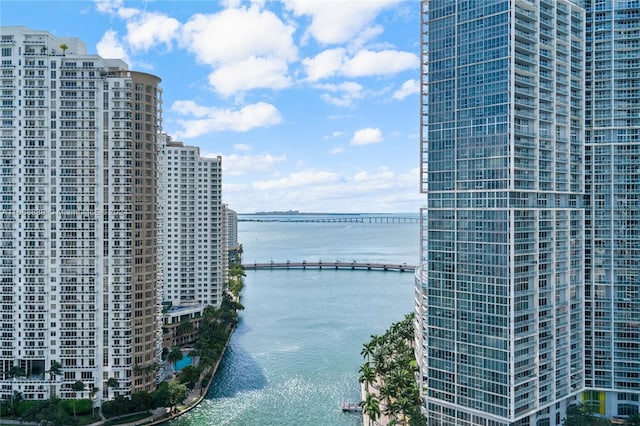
{"type": "Point", "coordinates": [185, 361]}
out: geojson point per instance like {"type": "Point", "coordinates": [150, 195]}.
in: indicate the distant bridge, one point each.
{"type": "Point", "coordinates": [329, 219]}
{"type": "Point", "coordinates": [360, 266]}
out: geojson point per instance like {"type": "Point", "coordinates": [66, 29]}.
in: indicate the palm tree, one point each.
{"type": "Point", "coordinates": [16, 399]}
{"type": "Point", "coordinates": [174, 356]}
{"type": "Point", "coordinates": [113, 382]}
{"type": "Point", "coordinates": [78, 386]}
{"type": "Point", "coordinates": [16, 371]}
{"type": "Point", "coordinates": [367, 376]}
{"type": "Point", "coordinates": [63, 47]}
{"type": "Point", "coordinates": [387, 392]}
{"type": "Point", "coordinates": [392, 410]}
{"type": "Point", "coordinates": [371, 407]}
{"type": "Point", "coordinates": [54, 370]}
{"type": "Point", "coordinates": [368, 349]}
{"type": "Point", "coordinates": [94, 392]}
{"type": "Point", "coordinates": [185, 327]}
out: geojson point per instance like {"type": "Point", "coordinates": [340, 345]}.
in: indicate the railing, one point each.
{"type": "Point", "coordinates": [360, 266]}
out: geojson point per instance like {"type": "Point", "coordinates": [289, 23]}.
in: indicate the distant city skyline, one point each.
{"type": "Point", "coordinates": [313, 106]}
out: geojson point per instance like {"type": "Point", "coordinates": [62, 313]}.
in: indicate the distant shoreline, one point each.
{"type": "Point", "coordinates": [296, 212]}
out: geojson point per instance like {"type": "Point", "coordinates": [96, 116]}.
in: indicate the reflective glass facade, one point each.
{"type": "Point", "coordinates": [613, 214]}
{"type": "Point", "coordinates": [528, 297]}
{"type": "Point", "coordinates": [501, 292]}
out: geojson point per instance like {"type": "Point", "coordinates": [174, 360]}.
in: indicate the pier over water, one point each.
{"type": "Point", "coordinates": [354, 266]}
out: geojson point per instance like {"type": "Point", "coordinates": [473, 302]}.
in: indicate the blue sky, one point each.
{"type": "Point", "coordinates": [313, 104]}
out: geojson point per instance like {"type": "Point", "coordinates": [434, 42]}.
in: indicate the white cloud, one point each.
{"type": "Point", "coordinates": [127, 12]}
{"type": "Point", "coordinates": [236, 34]}
{"type": "Point", "coordinates": [334, 134]}
{"type": "Point", "coordinates": [366, 136]}
{"type": "Point", "coordinates": [210, 119]}
{"type": "Point", "coordinates": [381, 178]}
{"type": "Point", "coordinates": [336, 62]}
{"type": "Point", "coordinates": [338, 22]}
{"type": "Point", "coordinates": [246, 47]}
{"type": "Point", "coordinates": [329, 191]}
{"type": "Point", "coordinates": [230, 4]}
{"type": "Point", "coordinates": [336, 150]}
{"type": "Point", "coordinates": [243, 147]}
{"type": "Point", "coordinates": [367, 34]}
{"type": "Point", "coordinates": [191, 108]}
{"type": "Point", "coordinates": [110, 46]}
{"type": "Point", "coordinates": [409, 87]}
{"type": "Point", "coordinates": [151, 29]}
{"type": "Point", "coordinates": [298, 179]}
{"type": "Point", "coordinates": [116, 8]}
{"type": "Point", "coordinates": [385, 62]}
{"type": "Point", "coordinates": [251, 73]}
{"type": "Point", "coordinates": [236, 165]}
{"type": "Point", "coordinates": [108, 6]}
{"type": "Point", "coordinates": [324, 64]}
{"type": "Point", "coordinates": [347, 93]}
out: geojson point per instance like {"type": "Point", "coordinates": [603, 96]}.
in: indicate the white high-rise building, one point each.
{"type": "Point", "coordinates": [195, 266]}
{"type": "Point", "coordinates": [79, 275]}
{"type": "Point", "coordinates": [232, 228]}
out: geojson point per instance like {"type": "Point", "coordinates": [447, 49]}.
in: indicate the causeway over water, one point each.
{"type": "Point", "coordinates": [352, 266]}
{"type": "Point", "coordinates": [336, 218]}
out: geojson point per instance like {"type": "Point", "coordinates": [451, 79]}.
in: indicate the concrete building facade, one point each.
{"type": "Point", "coordinates": [194, 262]}
{"type": "Point", "coordinates": [79, 277]}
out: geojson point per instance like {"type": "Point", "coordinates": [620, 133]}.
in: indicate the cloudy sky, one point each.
{"type": "Point", "coordinates": [313, 104]}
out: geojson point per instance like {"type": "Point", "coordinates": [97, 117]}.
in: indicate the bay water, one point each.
{"type": "Point", "coordinates": [295, 354]}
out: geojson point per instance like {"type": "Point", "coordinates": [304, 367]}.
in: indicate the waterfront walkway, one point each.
{"type": "Point", "coordinates": [354, 266]}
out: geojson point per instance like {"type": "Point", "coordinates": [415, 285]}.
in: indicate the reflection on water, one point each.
{"type": "Point", "coordinates": [296, 352]}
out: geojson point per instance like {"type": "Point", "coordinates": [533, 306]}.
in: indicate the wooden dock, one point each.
{"type": "Point", "coordinates": [354, 266]}
{"type": "Point", "coordinates": [351, 407]}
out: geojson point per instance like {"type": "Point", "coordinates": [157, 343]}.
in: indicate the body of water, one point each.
{"type": "Point", "coordinates": [296, 351]}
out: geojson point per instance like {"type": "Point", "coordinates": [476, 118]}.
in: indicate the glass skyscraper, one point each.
{"type": "Point", "coordinates": [612, 159]}
{"type": "Point", "coordinates": [530, 124]}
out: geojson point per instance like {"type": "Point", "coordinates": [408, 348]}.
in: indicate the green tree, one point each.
{"type": "Point", "coordinates": [78, 386]}
{"type": "Point", "coordinates": [142, 400]}
{"type": "Point", "coordinates": [367, 376]}
{"type": "Point", "coordinates": [185, 327]}
{"type": "Point", "coordinates": [174, 356]}
{"type": "Point", "coordinates": [633, 420]}
{"type": "Point", "coordinates": [64, 48]}
{"type": "Point", "coordinates": [112, 382]}
{"type": "Point", "coordinates": [189, 376]}
{"type": "Point", "coordinates": [580, 415]}
{"type": "Point", "coordinates": [54, 370]}
{"type": "Point", "coordinates": [16, 399]}
{"type": "Point", "coordinates": [368, 349]}
{"type": "Point", "coordinates": [176, 394]}
{"type": "Point", "coordinates": [16, 371]}
{"type": "Point", "coordinates": [371, 407]}
{"type": "Point", "coordinates": [237, 271]}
